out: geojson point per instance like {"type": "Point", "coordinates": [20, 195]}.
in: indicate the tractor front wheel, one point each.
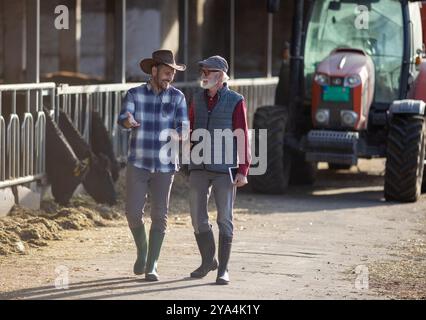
{"type": "Point", "coordinates": [405, 158]}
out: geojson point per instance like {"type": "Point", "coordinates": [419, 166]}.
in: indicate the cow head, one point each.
{"type": "Point", "coordinates": [99, 183]}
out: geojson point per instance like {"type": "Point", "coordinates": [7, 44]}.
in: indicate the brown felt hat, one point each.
{"type": "Point", "coordinates": [161, 57]}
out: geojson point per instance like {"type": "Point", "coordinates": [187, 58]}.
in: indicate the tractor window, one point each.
{"type": "Point", "coordinates": [376, 28]}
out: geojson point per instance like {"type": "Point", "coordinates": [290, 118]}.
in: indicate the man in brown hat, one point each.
{"type": "Point", "coordinates": [148, 111]}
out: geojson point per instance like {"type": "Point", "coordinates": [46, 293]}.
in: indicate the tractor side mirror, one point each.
{"type": "Point", "coordinates": [334, 6]}
{"type": "Point", "coordinates": [273, 6]}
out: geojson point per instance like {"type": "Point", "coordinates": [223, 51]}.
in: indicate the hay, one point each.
{"type": "Point", "coordinates": [24, 228]}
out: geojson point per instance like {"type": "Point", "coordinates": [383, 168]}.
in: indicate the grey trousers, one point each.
{"type": "Point", "coordinates": [138, 183]}
{"type": "Point", "coordinates": [201, 184]}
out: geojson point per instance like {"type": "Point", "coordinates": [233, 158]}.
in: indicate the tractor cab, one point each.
{"type": "Point", "coordinates": [358, 55]}
{"type": "Point", "coordinates": [355, 88]}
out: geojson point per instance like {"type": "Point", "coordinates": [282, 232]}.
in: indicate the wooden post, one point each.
{"type": "Point", "coordinates": [69, 40]}
{"type": "Point", "coordinates": [120, 41]}
{"type": "Point", "coordinates": [232, 40]}
{"type": "Point", "coordinates": [33, 41]}
{"type": "Point", "coordinates": [14, 41]}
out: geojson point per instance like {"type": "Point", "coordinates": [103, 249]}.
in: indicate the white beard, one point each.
{"type": "Point", "coordinates": [210, 84]}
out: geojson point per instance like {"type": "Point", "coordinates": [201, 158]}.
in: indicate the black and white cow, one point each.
{"type": "Point", "coordinates": [63, 168]}
{"type": "Point", "coordinates": [102, 145]}
{"type": "Point", "coordinates": [98, 181]}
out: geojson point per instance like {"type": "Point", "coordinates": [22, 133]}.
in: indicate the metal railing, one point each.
{"type": "Point", "coordinates": [257, 92]}
{"type": "Point", "coordinates": [22, 145]}
{"type": "Point", "coordinates": [79, 102]}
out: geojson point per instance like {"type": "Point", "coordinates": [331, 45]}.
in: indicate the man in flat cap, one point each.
{"type": "Point", "coordinates": [216, 108]}
{"type": "Point", "coordinates": [147, 111]}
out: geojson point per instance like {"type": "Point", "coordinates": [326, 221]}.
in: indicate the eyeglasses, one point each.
{"type": "Point", "coordinates": [206, 72]}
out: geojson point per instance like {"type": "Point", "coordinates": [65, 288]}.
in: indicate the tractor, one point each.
{"type": "Point", "coordinates": [355, 87]}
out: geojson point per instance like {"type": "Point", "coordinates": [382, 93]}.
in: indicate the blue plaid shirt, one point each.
{"type": "Point", "coordinates": [155, 113]}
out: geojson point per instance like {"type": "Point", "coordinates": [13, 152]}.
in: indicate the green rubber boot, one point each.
{"type": "Point", "coordinates": [155, 242]}
{"type": "Point", "coordinates": [139, 235]}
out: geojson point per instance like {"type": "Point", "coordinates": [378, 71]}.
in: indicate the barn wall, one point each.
{"type": "Point", "coordinates": [155, 24]}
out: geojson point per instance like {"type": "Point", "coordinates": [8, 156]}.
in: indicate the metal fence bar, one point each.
{"type": "Point", "coordinates": [27, 140]}
{"type": "Point", "coordinates": [27, 145]}
{"type": "Point", "coordinates": [41, 132]}
{"type": "Point", "coordinates": [27, 86]}
{"type": "Point", "coordinates": [2, 143]}
{"type": "Point", "coordinates": [19, 181]}
{"type": "Point", "coordinates": [40, 143]}
{"type": "Point", "coordinates": [22, 144]}
{"type": "Point", "coordinates": [13, 142]}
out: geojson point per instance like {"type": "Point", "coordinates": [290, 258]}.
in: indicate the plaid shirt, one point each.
{"type": "Point", "coordinates": [155, 113]}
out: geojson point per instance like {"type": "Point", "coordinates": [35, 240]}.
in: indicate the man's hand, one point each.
{"type": "Point", "coordinates": [130, 122]}
{"type": "Point", "coordinates": [240, 180]}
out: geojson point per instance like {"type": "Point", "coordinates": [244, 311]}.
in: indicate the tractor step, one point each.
{"type": "Point", "coordinates": [335, 158]}
{"type": "Point", "coordinates": [332, 146]}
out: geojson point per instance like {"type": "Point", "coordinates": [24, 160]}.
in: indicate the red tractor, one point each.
{"type": "Point", "coordinates": [355, 88]}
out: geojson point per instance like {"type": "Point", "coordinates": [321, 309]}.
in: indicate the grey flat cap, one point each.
{"type": "Point", "coordinates": [215, 62]}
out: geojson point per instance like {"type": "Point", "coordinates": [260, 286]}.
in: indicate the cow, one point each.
{"type": "Point", "coordinates": [101, 144]}
{"type": "Point", "coordinates": [64, 170]}
{"type": "Point", "coordinates": [98, 181]}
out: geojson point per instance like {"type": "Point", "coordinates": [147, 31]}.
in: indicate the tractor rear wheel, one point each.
{"type": "Point", "coordinates": [405, 158]}
{"type": "Point", "coordinates": [276, 178]}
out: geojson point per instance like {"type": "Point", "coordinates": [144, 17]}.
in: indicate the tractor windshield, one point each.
{"type": "Point", "coordinates": [375, 27]}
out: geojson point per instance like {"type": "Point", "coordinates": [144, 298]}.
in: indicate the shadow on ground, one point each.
{"type": "Point", "coordinates": [332, 191]}
{"type": "Point", "coordinates": [102, 289]}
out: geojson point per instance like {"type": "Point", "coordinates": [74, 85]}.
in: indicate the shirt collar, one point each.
{"type": "Point", "coordinates": [151, 89]}
{"type": "Point", "coordinates": [149, 86]}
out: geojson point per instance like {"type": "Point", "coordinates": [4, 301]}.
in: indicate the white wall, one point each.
{"type": "Point", "coordinates": [143, 37]}
{"type": "Point", "coordinates": [151, 25]}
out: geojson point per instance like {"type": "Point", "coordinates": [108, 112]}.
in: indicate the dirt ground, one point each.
{"type": "Point", "coordinates": [336, 240]}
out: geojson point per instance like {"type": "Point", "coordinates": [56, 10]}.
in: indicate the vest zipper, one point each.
{"type": "Point", "coordinates": [208, 123]}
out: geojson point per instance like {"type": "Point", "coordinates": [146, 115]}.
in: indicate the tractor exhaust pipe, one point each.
{"type": "Point", "coordinates": [296, 49]}
{"type": "Point", "coordinates": [296, 64]}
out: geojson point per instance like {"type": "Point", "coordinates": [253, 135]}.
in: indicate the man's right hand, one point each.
{"type": "Point", "coordinates": [130, 122]}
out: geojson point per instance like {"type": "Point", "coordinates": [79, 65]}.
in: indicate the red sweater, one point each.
{"type": "Point", "coordinates": [239, 121]}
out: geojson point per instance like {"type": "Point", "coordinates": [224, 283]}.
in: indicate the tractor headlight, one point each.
{"type": "Point", "coordinates": [336, 81]}
{"type": "Point", "coordinates": [322, 116]}
{"type": "Point", "coordinates": [322, 79]}
{"type": "Point", "coordinates": [352, 81]}
{"type": "Point", "coordinates": [348, 118]}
